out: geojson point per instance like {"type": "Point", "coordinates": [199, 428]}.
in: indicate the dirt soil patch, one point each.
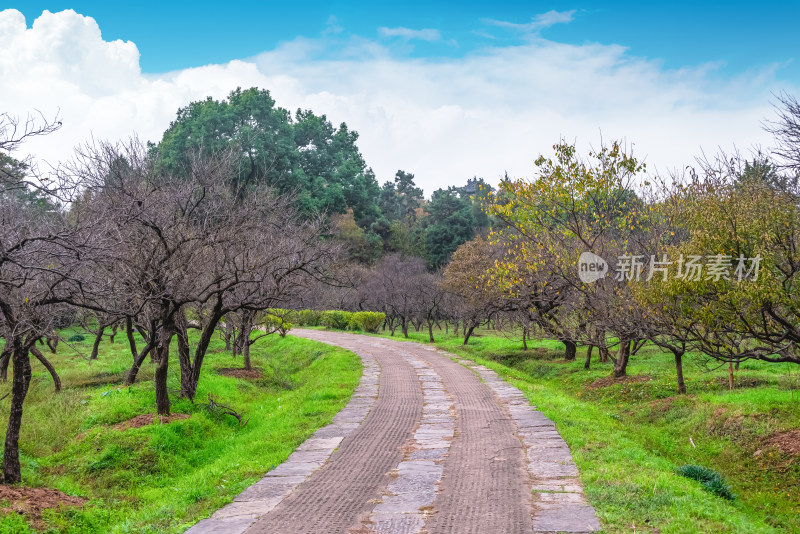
{"type": "Point", "coordinates": [786, 442]}
{"type": "Point", "coordinates": [241, 373]}
{"type": "Point", "coordinates": [610, 381]}
{"type": "Point", "coordinates": [662, 405]}
{"type": "Point", "coordinates": [149, 419]}
{"type": "Point", "coordinates": [30, 502]}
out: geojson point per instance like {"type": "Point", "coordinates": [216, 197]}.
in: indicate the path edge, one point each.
{"type": "Point", "coordinates": [263, 496]}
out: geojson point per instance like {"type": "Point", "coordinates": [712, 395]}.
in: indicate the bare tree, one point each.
{"type": "Point", "coordinates": [392, 289]}
{"type": "Point", "coordinates": [466, 278]}
{"type": "Point", "coordinates": [41, 267]}
{"type": "Point", "coordinates": [193, 243]}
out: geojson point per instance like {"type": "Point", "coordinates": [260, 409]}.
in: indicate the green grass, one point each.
{"type": "Point", "coordinates": [165, 477]}
{"type": "Point", "coordinates": [629, 438]}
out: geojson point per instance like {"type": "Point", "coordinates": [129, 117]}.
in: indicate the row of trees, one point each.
{"type": "Point", "coordinates": [228, 215]}
{"type": "Point", "coordinates": [706, 261]}
{"type": "Point", "coordinates": [123, 239]}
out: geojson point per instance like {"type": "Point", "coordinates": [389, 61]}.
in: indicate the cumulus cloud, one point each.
{"type": "Point", "coordinates": [444, 119]}
{"type": "Point", "coordinates": [426, 34]}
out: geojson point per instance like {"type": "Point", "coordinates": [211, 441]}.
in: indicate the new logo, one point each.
{"type": "Point", "coordinates": [591, 267]}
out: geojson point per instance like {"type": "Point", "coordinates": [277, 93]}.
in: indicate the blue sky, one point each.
{"type": "Point", "coordinates": [176, 35]}
{"type": "Point", "coordinates": [446, 91]}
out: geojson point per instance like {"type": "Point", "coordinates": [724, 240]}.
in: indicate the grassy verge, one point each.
{"type": "Point", "coordinates": [164, 477]}
{"type": "Point", "coordinates": [628, 438]}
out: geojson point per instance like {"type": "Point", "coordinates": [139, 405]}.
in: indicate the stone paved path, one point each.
{"type": "Point", "coordinates": [428, 444]}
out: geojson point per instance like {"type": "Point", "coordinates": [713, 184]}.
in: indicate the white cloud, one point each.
{"type": "Point", "coordinates": [444, 119]}
{"type": "Point", "coordinates": [538, 22]}
{"type": "Point", "coordinates": [426, 34]}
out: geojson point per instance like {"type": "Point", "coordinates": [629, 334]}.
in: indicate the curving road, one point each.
{"type": "Point", "coordinates": [427, 444]}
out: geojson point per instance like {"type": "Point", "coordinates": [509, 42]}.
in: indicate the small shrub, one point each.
{"type": "Point", "coordinates": [308, 317]}
{"type": "Point", "coordinates": [276, 321]}
{"type": "Point", "coordinates": [369, 321]}
{"type": "Point", "coordinates": [290, 316]}
{"type": "Point", "coordinates": [335, 319]}
{"type": "Point", "coordinates": [710, 479]}
{"type": "Point", "coordinates": [76, 337]}
{"type": "Point", "coordinates": [353, 324]}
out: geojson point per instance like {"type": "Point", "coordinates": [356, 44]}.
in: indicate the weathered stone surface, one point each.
{"type": "Point", "coordinates": [232, 525]}
{"type": "Point", "coordinates": [269, 487]}
{"type": "Point", "coordinates": [552, 469]}
{"type": "Point", "coordinates": [429, 454]}
{"type": "Point", "coordinates": [248, 508]}
{"type": "Point", "coordinates": [289, 468]}
{"type": "Point", "coordinates": [551, 454]}
{"type": "Point", "coordinates": [558, 499]}
{"type": "Point", "coordinates": [310, 455]}
{"type": "Point", "coordinates": [406, 502]}
{"type": "Point", "coordinates": [566, 518]}
{"type": "Point", "coordinates": [397, 523]}
{"type": "Point", "coordinates": [320, 443]}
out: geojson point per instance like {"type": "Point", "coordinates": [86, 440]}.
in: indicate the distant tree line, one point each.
{"type": "Point", "coordinates": [319, 165]}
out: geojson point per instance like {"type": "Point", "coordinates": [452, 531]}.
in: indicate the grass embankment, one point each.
{"type": "Point", "coordinates": [628, 438]}
{"type": "Point", "coordinates": [164, 477]}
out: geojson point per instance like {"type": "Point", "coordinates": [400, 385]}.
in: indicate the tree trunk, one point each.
{"type": "Point", "coordinates": [430, 331]}
{"type": "Point", "coordinates": [12, 473]}
{"type": "Point", "coordinates": [150, 339]}
{"type": "Point", "coordinates": [404, 324]}
{"type": "Point", "coordinates": [468, 334]}
{"type": "Point", "coordinates": [524, 338]}
{"type": "Point", "coordinates": [4, 359]}
{"type": "Point", "coordinates": [131, 339]}
{"type": "Point", "coordinates": [588, 357]}
{"type": "Point", "coordinates": [162, 395]}
{"type": "Point", "coordinates": [571, 349]}
{"type": "Point", "coordinates": [604, 355]}
{"type": "Point", "coordinates": [97, 340]}
{"type": "Point", "coordinates": [679, 371]}
{"type": "Point", "coordinates": [730, 376]}
{"type": "Point", "coordinates": [248, 318]}
{"type": "Point", "coordinates": [52, 342]}
{"type": "Point", "coordinates": [184, 356]}
{"type": "Point", "coordinates": [202, 347]}
{"type": "Point", "coordinates": [621, 361]}
{"type": "Point", "coordinates": [130, 378]}
{"type": "Point", "coordinates": [226, 334]}
{"type": "Point", "coordinates": [47, 365]}
{"type": "Point", "coordinates": [246, 353]}
{"type": "Point", "coordinates": [138, 357]}
{"type": "Point", "coordinates": [113, 333]}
